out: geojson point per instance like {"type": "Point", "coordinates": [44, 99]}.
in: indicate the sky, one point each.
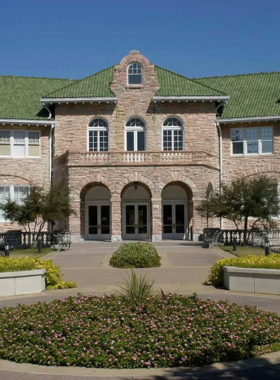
{"type": "Point", "coordinates": [195, 38]}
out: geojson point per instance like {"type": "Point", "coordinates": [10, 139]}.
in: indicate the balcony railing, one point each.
{"type": "Point", "coordinates": [73, 158]}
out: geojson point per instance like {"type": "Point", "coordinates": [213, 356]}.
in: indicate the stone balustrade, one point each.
{"type": "Point", "coordinates": [74, 158]}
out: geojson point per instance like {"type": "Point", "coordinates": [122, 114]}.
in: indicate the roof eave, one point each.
{"type": "Point", "coordinates": [248, 119]}
{"type": "Point", "coordinates": [79, 100]}
{"type": "Point", "coordinates": [191, 98]}
{"type": "Point", "coordinates": [28, 122]}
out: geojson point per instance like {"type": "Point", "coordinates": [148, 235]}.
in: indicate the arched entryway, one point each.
{"type": "Point", "coordinates": [97, 213]}
{"type": "Point", "coordinates": [136, 221]}
{"type": "Point", "coordinates": [176, 216]}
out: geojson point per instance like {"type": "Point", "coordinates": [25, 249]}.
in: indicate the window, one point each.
{"type": "Point", "coordinates": [14, 192]}
{"type": "Point", "coordinates": [252, 141]}
{"type": "Point", "coordinates": [172, 134]}
{"type": "Point", "coordinates": [20, 143]}
{"type": "Point", "coordinates": [135, 135]}
{"type": "Point", "coordinates": [98, 135]}
{"type": "Point", "coordinates": [134, 73]}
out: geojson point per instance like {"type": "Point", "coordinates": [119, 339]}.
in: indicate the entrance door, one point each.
{"type": "Point", "coordinates": [98, 222]}
{"type": "Point", "coordinates": [174, 226]}
{"type": "Point", "coordinates": [136, 222]}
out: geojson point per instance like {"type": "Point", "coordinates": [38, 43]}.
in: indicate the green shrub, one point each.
{"type": "Point", "coordinates": [112, 332]}
{"type": "Point", "coordinates": [137, 289]}
{"type": "Point", "coordinates": [53, 275]}
{"type": "Point", "coordinates": [135, 255]}
{"type": "Point", "coordinates": [252, 261]}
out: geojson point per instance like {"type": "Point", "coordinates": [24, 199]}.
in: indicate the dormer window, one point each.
{"type": "Point", "coordinates": [134, 74]}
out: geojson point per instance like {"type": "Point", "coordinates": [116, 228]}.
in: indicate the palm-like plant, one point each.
{"type": "Point", "coordinates": [136, 288]}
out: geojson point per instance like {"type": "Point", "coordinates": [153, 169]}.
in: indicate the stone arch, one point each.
{"type": "Point", "coordinates": [177, 177]}
{"type": "Point", "coordinates": [93, 179]}
{"type": "Point", "coordinates": [135, 177]}
{"type": "Point", "coordinates": [267, 169]}
{"type": "Point", "coordinates": [12, 173]}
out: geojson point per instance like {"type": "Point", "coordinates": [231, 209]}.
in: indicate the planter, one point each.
{"type": "Point", "coordinates": [23, 282]}
{"type": "Point", "coordinates": [252, 280]}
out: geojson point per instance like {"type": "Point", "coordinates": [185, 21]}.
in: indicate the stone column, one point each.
{"type": "Point", "coordinates": [75, 225]}
{"type": "Point", "coordinates": [156, 206]}
{"type": "Point", "coordinates": [198, 221]}
{"type": "Point", "coordinates": [116, 217]}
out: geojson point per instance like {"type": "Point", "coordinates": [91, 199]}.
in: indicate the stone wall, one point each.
{"type": "Point", "coordinates": [26, 171]}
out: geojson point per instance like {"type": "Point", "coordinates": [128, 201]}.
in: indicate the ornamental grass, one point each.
{"type": "Point", "coordinates": [113, 332]}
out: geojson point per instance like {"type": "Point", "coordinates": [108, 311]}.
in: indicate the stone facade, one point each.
{"type": "Point", "coordinates": [153, 170]}
{"type": "Point", "coordinates": [26, 171]}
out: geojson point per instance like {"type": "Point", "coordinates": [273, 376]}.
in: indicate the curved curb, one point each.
{"type": "Point", "coordinates": [176, 372]}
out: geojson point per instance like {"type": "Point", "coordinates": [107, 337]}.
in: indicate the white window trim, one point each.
{"type": "Point", "coordinates": [127, 75]}
{"type": "Point", "coordinates": [12, 195]}
{"type": "Point", "coordinates": [135, 129]}
{"type": "Point", "coordinates": [245, 142]}
{"type": "Point", "coordinates": [98, 139]}
{"type": "Point", "coordinates": [173, 128]}
{"type": "Point", "coordinates": [26, 139]}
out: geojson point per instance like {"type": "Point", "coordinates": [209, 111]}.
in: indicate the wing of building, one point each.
{"type": "Point", "coordinates": [137, 145]}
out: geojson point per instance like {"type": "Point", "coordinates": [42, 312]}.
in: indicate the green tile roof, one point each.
{"type": "Point", "coordinates": [20, 96]}
{"type": "Point", "coordinates": [251, 95]}
{"type": "Point", "coordinates": [172, 84]}
{"type": "Point", "coordinates": [96, 85]}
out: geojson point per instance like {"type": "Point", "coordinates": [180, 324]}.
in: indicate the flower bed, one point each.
{"type": "Point", "coordinates": [53, 275]}
{"type": "Point", "coordinates": [252, 261]}
{"type": "Point", "coordinates": [111, 332]}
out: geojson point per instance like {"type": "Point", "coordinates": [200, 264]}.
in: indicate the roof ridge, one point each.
{"type": "Point", "coordinates": [192, 80]}
{"type": "Point", "coordinates": [32, 77]}
{"type": "Point", "coordinates": [239, 75]}
{"type": "Point", "coordinates": [78, 81]}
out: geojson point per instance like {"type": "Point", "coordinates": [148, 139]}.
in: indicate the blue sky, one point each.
{"type": "Point", "coordinates": [196, 38]}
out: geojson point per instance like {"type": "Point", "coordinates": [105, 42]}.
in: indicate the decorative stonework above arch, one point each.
{"type": "Point", "coordinates": [13, 173]}
{"type": "Point", "coordinates": [177, 177]}
{"type": "Point", "coordinates": [98, 179]}
{"type": "Point", "coordinates": [135, 177]}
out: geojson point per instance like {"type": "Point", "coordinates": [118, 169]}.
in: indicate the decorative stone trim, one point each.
{"type": "Point", "coordinates": [252, 280]}
{"type": "Point", "coordinates": [23, 282]}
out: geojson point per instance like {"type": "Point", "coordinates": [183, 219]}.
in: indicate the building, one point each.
{"type": "Point", "coordinates": [137, 145]}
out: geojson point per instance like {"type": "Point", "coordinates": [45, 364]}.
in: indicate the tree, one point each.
{"type": "Point", "coordinates": [256, 198]}
{"type": "Point", "coordinates": [38, 208]}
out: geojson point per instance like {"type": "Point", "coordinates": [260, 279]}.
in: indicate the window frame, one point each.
{"type": "Point", "coordinates": [172, 129]}
{"type": "Point", "coordinates": [11, 196]}
{"type": "Point", "coordinates": [245, 142]}
{"type": "Point", "coordinates": [135, 129]}
{"type": "Point", "coordinates": [128, 75]}
{"type": "Point", "coordinates": [98, 129]}
{"type": "Point", "coordinates": [26, 143]}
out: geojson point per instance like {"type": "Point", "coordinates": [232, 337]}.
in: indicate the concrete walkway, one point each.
{"type": "Point", "coordinates": [184, 268]}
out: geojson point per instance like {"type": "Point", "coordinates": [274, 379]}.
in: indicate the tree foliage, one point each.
{"type": "Point", "coordinates": [243, 199]}
{"type": "Point", "coordinates": [38, 208]}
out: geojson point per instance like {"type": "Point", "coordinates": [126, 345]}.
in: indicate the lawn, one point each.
{"type": "Point", "coordinates": [113, 332]}
{"type": "Point", "coordinates": [243, 251]}
{"type": "Point", "coordinates": [29, 252]}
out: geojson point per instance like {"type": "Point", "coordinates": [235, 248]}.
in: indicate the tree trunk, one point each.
{"type": "Point", "coordinates": [245, 229]}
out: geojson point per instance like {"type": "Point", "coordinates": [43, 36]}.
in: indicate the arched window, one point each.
{"type": "Point", "coordinates": [134, 73]}
{"type": "Point", "coordinates": [172, 134]}
{"type": "Point", "coordinates": [98, 135]}
{"type": "Point", "coordinates": [135, 135]}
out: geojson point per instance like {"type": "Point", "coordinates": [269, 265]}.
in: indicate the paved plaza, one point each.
{"type": "Point", "coordinates": [184, 268]}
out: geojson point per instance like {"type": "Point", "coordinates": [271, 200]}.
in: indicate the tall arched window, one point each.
{"type": "Point", "coordinates": [172, 134]}
{"type": "Point", "coordinates": [135, 135]}
{"type": "Point", "coordinates": [98, 135]}
{"type": "Point", "coordinates": [134, 73]}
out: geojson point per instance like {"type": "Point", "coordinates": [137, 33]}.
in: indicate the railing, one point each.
{"type": "Point", "coordinates": [73, 158]}
{"type": "Point", "coordinates": [255, 238]}
{"type": "Point", "coordinates": [20, 239]}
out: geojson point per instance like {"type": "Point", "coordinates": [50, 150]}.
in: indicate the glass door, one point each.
{"type": "Point", "coordinates": [136, 222]}
{"type": "Point", "coordinates": [174, 226]}
{"type": "Point", "coordinates": [98, 222]}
